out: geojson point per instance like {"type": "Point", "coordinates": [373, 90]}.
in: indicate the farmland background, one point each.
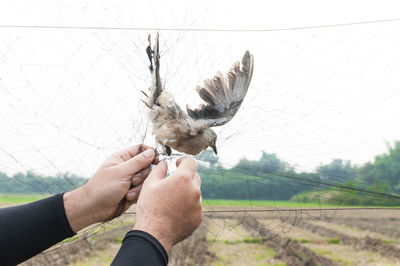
{"type": "Point", "coordinates": [308, 171]}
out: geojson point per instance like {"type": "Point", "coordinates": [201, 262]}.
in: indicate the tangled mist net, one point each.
{"type": "Point", "coordinates": [70, 97]}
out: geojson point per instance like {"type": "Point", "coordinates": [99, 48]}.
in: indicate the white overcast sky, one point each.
{"type": "Point", "coordinates": [69, 97]}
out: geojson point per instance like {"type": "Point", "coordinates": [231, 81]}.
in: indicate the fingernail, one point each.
{"type": "Point", "coordinates": [132, 194]}
{"type": "Point", "coordinates": [148, 153]}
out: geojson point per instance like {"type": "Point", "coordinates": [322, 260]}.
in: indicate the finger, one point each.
{"type": "Point", "coordinates": [179, 161]}
{"type": "Point", "coordinates": [140, 176]}
{"type": "Point", "coordinates": [133, 194]}
{"type": "Point", "coordinates": [143, 147]}
{"type": "Point", "coordinates": [197, 180]}
{"type": "Point", "coordinates": [186, 166]}
{"type": "Point", "coordinates": [144, 172]}
{"type": "Point", "coordinates": [131, 151]}
{"type": "Point", "coordinates": [156, 160]}
{"type": "Point", "coordinates": [128, 204]}
{"type": "Point", "coordinates": [137, 163]}
{"type": "Point", "coordinates": [158, 173]}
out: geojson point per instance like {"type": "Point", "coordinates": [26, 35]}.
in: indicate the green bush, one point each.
{"type": "Point", "coordinates": [335, 241]}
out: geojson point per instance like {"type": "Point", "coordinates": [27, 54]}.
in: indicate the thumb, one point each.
{"type": "Point", "coordinates": [158, 173]}
{"type": "Point", "coordinates": [137, 163]}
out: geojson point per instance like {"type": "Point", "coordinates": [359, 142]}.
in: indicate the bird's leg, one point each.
{"type": "Point", "coordinates": [163, 149]}
{"type": "Point", "coordinates": [168, 150]}
{"type": "Point", "coordinates": [145, 102]}
{"type": "Point", "coordinates": [145, 94]}
{"type": "Point", "coordinates": [150, 54]}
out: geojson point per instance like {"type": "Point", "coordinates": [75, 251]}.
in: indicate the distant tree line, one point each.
{"type": "Point", "coordinates": [271, 178]}
{"type": "Point", "coordinates": [268, 178]}
{"type": "Point", "coordinates": [29, 182]}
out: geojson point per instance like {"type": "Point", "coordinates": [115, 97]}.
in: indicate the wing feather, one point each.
{"type": "Point", "coordinates": [224, 94]}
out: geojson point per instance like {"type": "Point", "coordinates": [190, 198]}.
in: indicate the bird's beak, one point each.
{"type": "Point", "coordinates": [214, 149]}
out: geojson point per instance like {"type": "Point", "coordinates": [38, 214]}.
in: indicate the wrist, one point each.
{"type": "Point", "coordinates": [78, 209]}
{"type": "Point", "coordinates": [163, 238]}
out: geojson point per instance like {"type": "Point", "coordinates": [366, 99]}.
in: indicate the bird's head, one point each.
{"type": "Point", "coordinates": [211, 138]}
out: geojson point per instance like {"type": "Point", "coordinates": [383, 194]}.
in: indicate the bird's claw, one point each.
{"type": "Point", "coordinates": [150, 54]}
{"type": "Point", "coordinates": [153, 54]}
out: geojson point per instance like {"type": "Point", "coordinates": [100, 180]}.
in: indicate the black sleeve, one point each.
{"type": "Point", "coordinates": [28, 229]}
{"type": "Point", "coordinates": [140, 248]}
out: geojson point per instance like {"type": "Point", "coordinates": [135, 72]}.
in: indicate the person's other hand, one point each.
{"type": "Point", "coordinates": [170, 208]}
{"type": "Point", "coordinates": [102, 198]}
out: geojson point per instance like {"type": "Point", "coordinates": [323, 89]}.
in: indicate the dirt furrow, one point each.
{"type": "Point", "coordinates": [286, 249]}
{"type": "Point", "coordinates": [366, 243]}
{"type": "Point", "coordinates": [78, 249]}
{"type": "Point", "coordinates": [386, 227]}
{"type": "Point", "coordinates": [192, 251]}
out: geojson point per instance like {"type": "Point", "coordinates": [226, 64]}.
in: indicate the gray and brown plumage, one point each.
{"type": "Point", "coordinates": [190, 132]}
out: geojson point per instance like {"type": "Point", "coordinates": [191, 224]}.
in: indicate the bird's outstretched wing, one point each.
{"type": "Point", "coordinates": [224, 93]}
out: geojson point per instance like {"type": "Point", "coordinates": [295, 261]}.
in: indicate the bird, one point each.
{"type": "Point", "coordinates": [190, 132]}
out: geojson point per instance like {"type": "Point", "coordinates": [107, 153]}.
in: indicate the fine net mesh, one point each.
{"type": "Point", "coordinates": [71, 97]}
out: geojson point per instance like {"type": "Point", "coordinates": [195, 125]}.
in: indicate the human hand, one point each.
{"type": "Point", "coordinates": [112, 190]}
{"type": "Point", "coordinates": [170, 208]}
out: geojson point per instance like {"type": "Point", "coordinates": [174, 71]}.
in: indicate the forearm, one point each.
{"type": "Point", "coordinates": [140, 248]}
{"type": "Point", "coordinates": [28, 229]}
{"type": "Point", "coordinates": [79, 210]}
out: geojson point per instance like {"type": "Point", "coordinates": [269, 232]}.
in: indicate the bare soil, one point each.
{"type": "Point", "coordinates": [291, 238]}
{"type": "Point", "coordinates": [192, 251]}
{"type": "Point", "coordinates": [286, 249]}
{"type": "Point", "coordinates": [234, 245]}
{"type": "Point", "coordinates": [347, 255]}
{"type": "Point", "coordinates": [366, 243]}
{"type": "Point", "coordinates": [77, 250]}
{"type": "Point", "coordinates": [389, 227]}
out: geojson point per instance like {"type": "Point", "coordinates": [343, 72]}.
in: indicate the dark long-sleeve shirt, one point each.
{"type": "Point", "coordinates": [29, 229]}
